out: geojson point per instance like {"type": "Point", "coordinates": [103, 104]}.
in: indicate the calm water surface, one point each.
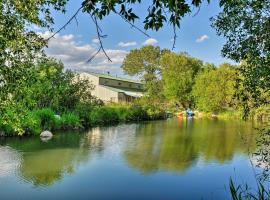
{"type": "Point", "coordinates": [169, 159]}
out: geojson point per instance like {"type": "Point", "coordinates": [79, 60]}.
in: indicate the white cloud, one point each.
{"type": "Point", "coordinates": [74, 55]}
{"type": "Point", "coordinates": [202, 38]}
{"type": "Point", "coordinates": [127, 44]}
{"type": "Point", "coordinates": [150, 41]}
{"type": "Point", "coordinates": [95, 40]}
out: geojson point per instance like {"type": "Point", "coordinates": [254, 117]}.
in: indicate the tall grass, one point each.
{"type": "Point", "coordinates": [241, 192]}
{"type": "Point", "coordinates": [48, 120]}
{"type": "Point", "coordinates": [70, 120]}
{"type": "Point", "coordinates": [33, 122]}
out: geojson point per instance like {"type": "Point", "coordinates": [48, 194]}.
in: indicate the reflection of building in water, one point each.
{"type": "Point", "coordinates": [10, 160]}
{"type": "Point", "coordinates": [93, 139]}
{"type": "Point", "coordinates": [109, 139]}
{"type": "Point", "coordinates": [116, 138]}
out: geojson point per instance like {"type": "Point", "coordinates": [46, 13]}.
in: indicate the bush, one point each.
{"type": "Point", "coordinates": [31, 124]}
{"type": "Point", "coordinates": [48, 120]}
{"type": "Point", "coordinates": [137, 113]}
{"type": "Point", "coordinates": [262, 113]}
{"type": "Point", "coordinates": [11, 121]}
{"type": "Point", "coordinates": [104, 115]}
{"type": "Point", "coordinates": [122, 113]}
{"type": "Point", "coordinates": [70, 120]}
{"type": "Point", "coordinates": [18, 121]}
{"type": "Point", "coordinates": [83, 110]}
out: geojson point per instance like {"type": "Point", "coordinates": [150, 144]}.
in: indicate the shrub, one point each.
{"type": "Point", "coordinates": [48, 120]}
{"type": "Point", "coordinates": [70, 120]}
{"type": "Point", "coordinates": [32, 124]}
{"type": "Point", "coordinates": [122, 113]}
{"type": "Point", "coordinates": [262, 113]}
{"type": "Point", "coordinates": [83, 110]}
{"type": "Point", "coordinates": [103, 115]}
{"type": "Point", "coordinates": [11, 121]}
{"type": "Point", "coordinates": [137, 113]}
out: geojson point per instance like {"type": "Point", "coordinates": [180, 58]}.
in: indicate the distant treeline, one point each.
{"type": "Point", "coordinates": [177, 81]}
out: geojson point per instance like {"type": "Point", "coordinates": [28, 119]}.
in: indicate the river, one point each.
{"type": "Point", "coordinates": [170, 159]}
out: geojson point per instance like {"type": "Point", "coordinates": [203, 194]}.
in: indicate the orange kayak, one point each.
{"type": "Point", "coordinates": [179, 114]}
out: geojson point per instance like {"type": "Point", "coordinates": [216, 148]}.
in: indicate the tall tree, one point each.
{"type": "Point", "coordinates": [144, 62]}
{"type": "Point", "coordinates": [245, 25]}
{"type": "Point", "coordinates": [20, 46]}
{"type": "Point", "coordinates": [178, 73]}
{"type": "Point", "coordinates": [214, 88]}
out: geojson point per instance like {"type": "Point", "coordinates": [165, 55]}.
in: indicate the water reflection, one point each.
{"type": "Point", "coordinates": [42, 164]}
{"type": "Point", "coordinates": [9, 161]}
{"type": "Point", "coordinates": [175, 147]}
{"type": "Point", "coordinates": [149, 147]}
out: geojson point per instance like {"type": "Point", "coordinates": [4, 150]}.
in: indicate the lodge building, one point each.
{"type": "Point", "coordinates": [110, 88]}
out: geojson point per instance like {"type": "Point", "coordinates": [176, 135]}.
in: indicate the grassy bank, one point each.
{"type": "Point", "coordinates": [261, 114]}
{"type": "Point", "coordinates": [222, 115]}
{"type": "Point", "coordinates": [33, 122]}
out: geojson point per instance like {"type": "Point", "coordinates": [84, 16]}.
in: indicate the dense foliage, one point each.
{"type": "Point", "coordinates": [43, 85]}
{"type": "Point", "coordinates": [178, 74]}
{"type": "Point", "coordinates": [183, 81]}
{"type": "Point", "coordinates": [245, 25]}
{"type": "Point", "coordinates": [214, 88]}
{"type": "Point", "coordinates": [144, 62]}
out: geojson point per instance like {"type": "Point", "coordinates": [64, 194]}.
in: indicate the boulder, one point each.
{"type": "Point", "coordinates": [46, 134]}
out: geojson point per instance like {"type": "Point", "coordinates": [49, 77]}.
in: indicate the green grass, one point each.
{"type": "Point", "coordinates": [241, 192]}
{"type": "Point", "coordinates": [70, 120]}
{"type": "Point", "coordinates": [33, 122]}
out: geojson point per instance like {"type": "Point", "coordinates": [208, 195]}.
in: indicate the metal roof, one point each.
{"type": "Point", "coordinates": [127, 91]}
{"type": "Point", "coordinates": [114, 77]}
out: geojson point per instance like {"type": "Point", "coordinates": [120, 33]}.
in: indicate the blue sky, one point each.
{"type": "Point", "coordinates": [75, 44]}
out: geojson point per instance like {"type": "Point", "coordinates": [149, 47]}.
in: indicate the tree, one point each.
{"type": "Point", "coordinates": [144, 62]}
{"type": "Point", "coordinates": [214, 88]}
{"type": "Point", "coordinates": [178, 73]}
{"type": "Point", "coordinates": [21, 47]}
{"type": "Point", "coordinates": [245, 24]}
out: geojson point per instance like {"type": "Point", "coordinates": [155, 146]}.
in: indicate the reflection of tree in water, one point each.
{"type": "Point", "coordinates": [47, 166]}
{"type": "Point", "coordinates": [45, 163]}
{"type": "Point", "coordinates": [260, 162]}
{"type": "Point", "coordinates": [166, 146]}
{"type": "Point", "coordinates": [261, 157]}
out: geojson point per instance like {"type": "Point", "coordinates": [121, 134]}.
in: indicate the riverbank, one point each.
{"type": "Point", "coordinates": [34, 122]}
{"type": "Point", "coordinates": [221, 115]}
{"type": "Point", "coordinates": [261, 114]}
{"type": "Point", "coordinates": [141, 153]}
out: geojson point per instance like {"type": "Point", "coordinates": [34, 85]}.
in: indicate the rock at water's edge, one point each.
{"type": "Point", "coordinates": [46, 134]}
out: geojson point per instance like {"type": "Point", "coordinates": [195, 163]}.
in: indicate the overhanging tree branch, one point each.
{"type": "Point", "coordinates": [73, 17]}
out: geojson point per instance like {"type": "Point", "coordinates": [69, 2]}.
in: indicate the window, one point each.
{"type": "Point", "coordinates": [119, 83]}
